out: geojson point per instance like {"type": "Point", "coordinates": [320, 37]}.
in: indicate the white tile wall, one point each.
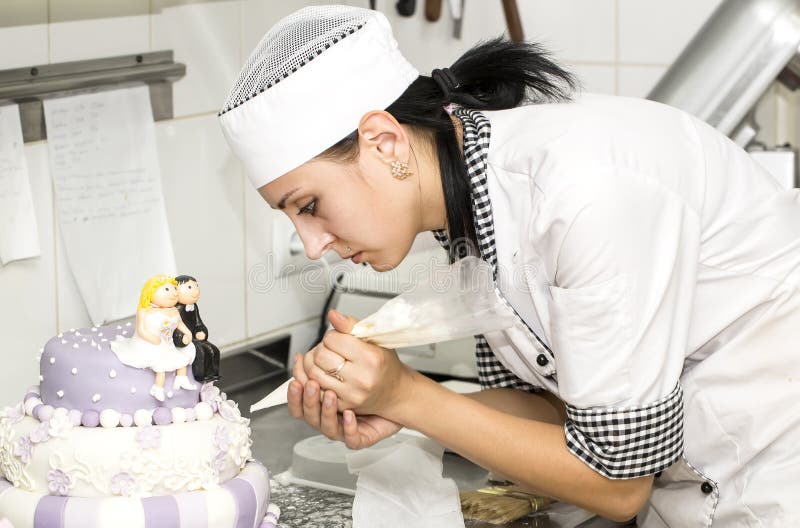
{"type": "Point", "coordinates": [574, 30]}
{"type": "Point", "coordinates": [28, 292]}
{"type": "Point", "coordinates": [203, 195]}
{"type": "Point", "coordinates": [614, 46]}
{"type": "Point", "coordinates": [655, 32]}
{"type": "Point", "coordinates": [95, 28]}
{"type": "Point", "coordinates": [206, 37]}
{"type": "Point", "coordinates": [23, 33]}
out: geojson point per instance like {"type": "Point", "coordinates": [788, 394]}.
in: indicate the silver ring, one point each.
{"type": "Point", "coordinates": [335, 372]}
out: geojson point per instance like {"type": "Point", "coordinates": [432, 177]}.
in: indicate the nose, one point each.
{"type": "Point", "coordinates": [315, 242]}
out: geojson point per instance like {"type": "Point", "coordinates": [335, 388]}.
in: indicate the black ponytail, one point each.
{"type": "Point", "coordinates": [493, 75]}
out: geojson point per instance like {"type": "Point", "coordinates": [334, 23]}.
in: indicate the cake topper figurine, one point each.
{"type": "Point", "coordinates": [151, 345]}
{"type": "Point", "coordinates": [206, 360]}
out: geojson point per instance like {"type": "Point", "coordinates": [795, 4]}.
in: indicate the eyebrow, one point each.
{"type": "Point", "coordinates": [282, 201]}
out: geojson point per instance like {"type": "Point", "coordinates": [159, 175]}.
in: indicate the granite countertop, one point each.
{"type": "Point", "coordinates": [274, 435]}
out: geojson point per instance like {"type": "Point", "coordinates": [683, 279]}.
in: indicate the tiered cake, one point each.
{"type": "Point", "coordinates": [91, 447]}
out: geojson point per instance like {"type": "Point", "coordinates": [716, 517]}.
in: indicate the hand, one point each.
{"type": "Point", "coordinates": [357, 432]}
{"type": "Point", "coordinates": [150, 338]}
{"type": "Point", "coordinates": [373, 379]}
{"type": "Point", "coordinates": [200, 336]}
{"type": "Point", "coordinates": [186, 339]}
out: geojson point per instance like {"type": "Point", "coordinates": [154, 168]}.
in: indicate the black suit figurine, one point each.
{"type": "Point", "coordinates": [206, 360]}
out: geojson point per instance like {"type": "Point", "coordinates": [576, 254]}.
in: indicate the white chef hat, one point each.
{"type": "Point", "coordinates": [308, 83]}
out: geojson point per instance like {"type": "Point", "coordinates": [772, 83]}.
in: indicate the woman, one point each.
{"type": "Point", "coordinates": [652, 370]}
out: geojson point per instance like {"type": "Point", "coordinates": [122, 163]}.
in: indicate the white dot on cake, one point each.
{"type": "Point", "coordinates": [74, 371]}
{"type": "Point", "coordinates": [52, 360]}
{"type": "Point", "coordinates": [128, 323]}
{"type": "Point", "coordinates": [75, 345]}
{"type": "Point", "coordinates": [63, 341]}
{"type": "Point", "coordinates": [72, 330]}
{"type": "Point", "coordinates": [84, 340]}
{"type": "Point", "coordinates": [77, 333]}
{"type": "Point", "coordinates": [96, 398]}
{"type": "Point", "coordinates": [133, 390]}
{"type": "Point", "coordinates": [41, 378]}
{"type": "Point", "coordinates": [170, 394]}
{"type": "Point", "coordinates": [119, 327]}
{"type": "Point", "coordinates": [60, 335]}
{"type": "Point", "coordinates": [41, 349]}
{"type": "Point", "coordinates": [99, 334]}
{"type": "Point", "coordinates": [94, 329]}
{"type": "Point", "coordinates": [112, 373]}
{"type": "Point", "coordinates": [60, 394]}
{"type": "Point", "coordinates": [104, 340]}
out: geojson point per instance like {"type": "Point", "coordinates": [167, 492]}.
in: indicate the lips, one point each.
{"type": "Point", "coordinates": [356, 258]}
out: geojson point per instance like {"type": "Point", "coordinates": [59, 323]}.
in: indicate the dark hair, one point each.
{"type": "Point", "coordinates": [180, 279]}
{"type": "Point", "coordinates": [493, 75]}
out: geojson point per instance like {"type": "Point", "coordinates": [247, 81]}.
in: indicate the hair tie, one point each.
{"type": "Point", "coordinates": [446, 81]}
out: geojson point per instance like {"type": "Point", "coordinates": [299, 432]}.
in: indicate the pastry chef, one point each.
{"type": "Point", "coordinates": [654, 367]}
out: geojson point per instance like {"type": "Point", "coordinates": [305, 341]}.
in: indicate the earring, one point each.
{"type": "Point", "coordinates": [400, 170]}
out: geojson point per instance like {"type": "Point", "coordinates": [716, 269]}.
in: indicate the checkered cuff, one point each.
{"type": "Point", "coordinates": [628, 442]}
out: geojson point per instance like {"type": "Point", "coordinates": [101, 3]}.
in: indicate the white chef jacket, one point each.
{"type": "Point", "coordinates": [659, 266]}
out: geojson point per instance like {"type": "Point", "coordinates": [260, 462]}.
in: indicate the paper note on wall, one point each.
{"type": "Point", "coordinates": [109, 200]}
{"type": "Point", "coordinates": [19, 237]}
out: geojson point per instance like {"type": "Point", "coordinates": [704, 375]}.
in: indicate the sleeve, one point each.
{"type": "Point", "coordinates": [620, 307]}
{"type": "Point", "coordinates": [199, 326]}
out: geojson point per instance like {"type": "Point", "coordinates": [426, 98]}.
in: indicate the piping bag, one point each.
{"type": "Point", "coordinates": [452, 302]}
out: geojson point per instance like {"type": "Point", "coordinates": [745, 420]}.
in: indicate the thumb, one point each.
{"type": "Point", "coordinates": [341, 323]}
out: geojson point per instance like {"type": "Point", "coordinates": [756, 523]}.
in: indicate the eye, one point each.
{"type": "Point", "coordinates": [309, 208]}
{"type": "Point", "coordinates": [189, 287]}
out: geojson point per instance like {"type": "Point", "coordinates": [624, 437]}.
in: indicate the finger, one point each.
{"type": "Point", "coordinates": [327, 359]}
{"type": "Point", "coordinates": [342, 323]}
{"type": "Point", "coordinates": [345, 345]}
{"type": "Point", "coordinates": [298, 371]}
{"type": "Point", "coordinates": [329, 425]}
{"type": "Point", "coordinates": [295, 399]}
{"type": "Point", "coordinates": [311, 405]}
{"type": "Point", "coordinates": [352, 439]}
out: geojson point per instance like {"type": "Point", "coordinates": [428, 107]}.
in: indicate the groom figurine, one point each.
{"type": "Point", "coordinates": [206, 361]}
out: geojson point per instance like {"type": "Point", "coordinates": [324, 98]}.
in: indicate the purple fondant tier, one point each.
{"type": "Point", "coordinates": [78, 370]}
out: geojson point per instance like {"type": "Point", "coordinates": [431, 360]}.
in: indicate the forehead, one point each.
{"type": "Point", "coordinates": [188, 283]}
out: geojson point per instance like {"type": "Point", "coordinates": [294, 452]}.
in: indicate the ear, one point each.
{"type": "Point", "coordinates": [380, 133]}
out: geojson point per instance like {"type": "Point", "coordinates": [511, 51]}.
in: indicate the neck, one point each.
{"type": "Point", "coordinates": [433, 210]}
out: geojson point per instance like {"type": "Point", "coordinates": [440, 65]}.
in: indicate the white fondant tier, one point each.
{"type": "Point", "coordinates": [58, 458]}
{"type": "Point", "coordinates": [242, 501]}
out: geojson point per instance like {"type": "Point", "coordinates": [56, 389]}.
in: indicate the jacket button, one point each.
{"type": "Point", "coordinates": [542, 360]}
{"type": "Point", "coordinates": [706, 488]}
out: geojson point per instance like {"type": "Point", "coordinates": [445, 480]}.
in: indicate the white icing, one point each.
{"type": "Point", "coordinates": [84, 340]}
{"type": "Point", "coordinates": [60, 393]}
{"type": "Point", "coordinates": [112, 374]}
{"type": "Point", "coordinates": [128, 323]}
{"type": "Point", "coordinates": [109, 418]}
{"type": "Point", "coordinates": [41, 378]}
{"type": "Point", "coordinates": [203, 411]}
{"type": "Point", "coordinates": [94, 329]}
{"type": "Point", "coordinates": [133, 390]}
{"type": "Point", "coordinates": [95, 398]}
{"type": "Point", "coordinates": [178, 415]}
{"type": "Point", "coordinates": [187, 458]}
{"type": "Point", "coordinates": [75, 345]}
{"type": "Point", "coordinates": [170, 394]}
{"type": "Point", "coordinates": [74, 371]}
{"type": "Point", "coordinates": [52, 360]}
{"type": "Point", "coordinates": [143, 417]}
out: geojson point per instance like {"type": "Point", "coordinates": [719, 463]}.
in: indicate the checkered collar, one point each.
{"type": "Point", "coordinates": [477, 132]}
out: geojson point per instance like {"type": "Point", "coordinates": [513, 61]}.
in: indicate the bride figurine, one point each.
{"type": "Point", "coordinates": [151, 345]}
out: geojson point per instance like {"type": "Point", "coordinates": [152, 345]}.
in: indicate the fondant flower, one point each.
{"type": "Point", "coordinates": [60, 423]}
{"type": "Point", "coordinates": [218, 462]}
{"type": "Point", "coordinates": [149, 437]}
{"type": "Point", "coordinates": [223, 438]}
{"type": "Point", "coordinates": [123, 484]}
{"type": "Point", "coordinates": [209, 393]}
{"type": "Point", "coordinates": [12, 415]}
{"type": "Point", "coordinates": [23, 449]}
{"type": "Point", "coordinates": [41, 433]}
{"type": "Point", "coordinates": [58, 482]}
{"type": "Point", "coordinates": [229, 410]}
